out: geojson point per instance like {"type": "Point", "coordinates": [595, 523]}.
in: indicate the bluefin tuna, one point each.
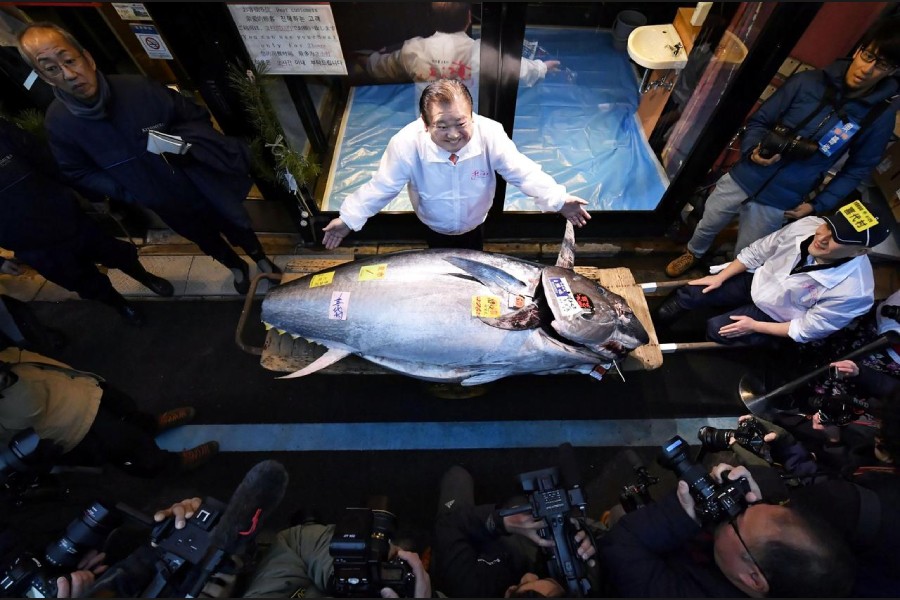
{"type": "Point", "coordinates": [458, 316]}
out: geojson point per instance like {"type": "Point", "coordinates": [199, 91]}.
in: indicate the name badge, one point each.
{"type": "Point", "coordinates": [835, 138]}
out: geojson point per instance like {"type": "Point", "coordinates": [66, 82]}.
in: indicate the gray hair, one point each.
{"type": "Point", "coordinates": [44, 25]}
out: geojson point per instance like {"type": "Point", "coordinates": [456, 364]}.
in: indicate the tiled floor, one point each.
{"type": "Point", "coordinates": [193, 277]}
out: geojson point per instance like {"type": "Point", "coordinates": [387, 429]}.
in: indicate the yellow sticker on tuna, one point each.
{"type": "Point", "coordinates": [859, 216]}
{"type": "Point", "coordinates": [486, 306]}
{"type": "Point", "coordinates": [321, 279]}
{"type": "Point", "coordinates": [372, 272]}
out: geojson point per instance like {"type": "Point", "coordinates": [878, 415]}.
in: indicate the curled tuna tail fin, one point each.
{"type": "Point", "coordinates": [566, 258]}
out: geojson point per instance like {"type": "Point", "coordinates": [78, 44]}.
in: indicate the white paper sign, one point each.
{"type": "Point", "coordinates": [132, 11]}
{"type": "Point", "coordinates": [293, 39]}
{"type": "Point", "coordinates": [152, 42]}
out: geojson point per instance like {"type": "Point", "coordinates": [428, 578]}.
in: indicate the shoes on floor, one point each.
{"type": "Point", "coordinates": [158, 285]}
{"type": "Point", "coordinates": [132, 315]}
{"type": "Point", "coordinates": [681, 265]}
{"type": "Point", "coordinates": [668, 312]}
{"type": "Point", "coordinates": [265, 265]}
{"type": "Point", "coordinates": [198, 456]}
{"type": "Point", "coordinates": [174, 418]}
{"type": "Point", "coordinates": [241, 278]}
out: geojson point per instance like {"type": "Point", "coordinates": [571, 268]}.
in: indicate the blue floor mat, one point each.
{"type": "Point", "coordinates": [579, 124]}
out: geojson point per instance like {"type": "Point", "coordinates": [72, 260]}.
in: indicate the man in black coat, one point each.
{"type": "Point", "coordinates": [106, 134]}
{"type": "Point", "coordinates": [41, 222]}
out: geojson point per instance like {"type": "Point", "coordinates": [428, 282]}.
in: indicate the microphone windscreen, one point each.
{"type": "Point", "coordinates": [258, 495]}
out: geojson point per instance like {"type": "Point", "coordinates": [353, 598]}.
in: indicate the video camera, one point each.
{"type": "Point", "coordinates": [360, 547]}
{"type": "Point", "coordinates": [749, 434]}
{"type": "Point", "coordinates": [556, 505]}
{"type": "Point", "coordinates": [33, 576]}
{"type": "Point", "coordinates": [182, 561]}
{"type": "Point", "coordinates": [713, 502]}
{"type": "Point", "coordinates": [781, 140]}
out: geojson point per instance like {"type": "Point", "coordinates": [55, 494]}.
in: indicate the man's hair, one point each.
{"type": "Point", "coordinates": [45, 25]}
{"type": "Point", "coordinates": [450, 17]}
{"type": "Point", "coordinates": [443, 91]}
{"type": "Point", "coordinates": [809, 559]}
{"type": "Point", "coordinates": [884, 37]}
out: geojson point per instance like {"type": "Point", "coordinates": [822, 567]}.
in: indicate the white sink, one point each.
{"type": "Point", "coordinates": [657, 47]}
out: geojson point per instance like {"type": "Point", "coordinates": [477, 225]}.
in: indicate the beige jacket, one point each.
{"type": "Point", "coordinates": [59, 402]}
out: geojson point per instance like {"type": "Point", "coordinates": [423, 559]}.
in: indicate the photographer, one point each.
{"type": "Point", "coordinates": [479, 554]}
{"type": "Point", "coordinates": [662, 550]}
{"type": "Point", "coordinates": [772, 180]}
{"type": "Point", "coordinates": [856, 490]}
{"type": "Point", "coordinates": [90, 421]}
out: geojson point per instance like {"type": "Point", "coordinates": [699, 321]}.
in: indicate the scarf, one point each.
{"type": "Point", "coordinates": [94, 111]}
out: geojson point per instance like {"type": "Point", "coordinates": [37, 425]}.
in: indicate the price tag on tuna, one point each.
{"type": "Point", "coordinates": [372, 272]}
{"type": "Point", "coordinates": [486, 306]}
{"type": "Point", "coordinates": [321, 279]}
{"type": "Point", "coordinates": [859, 216]}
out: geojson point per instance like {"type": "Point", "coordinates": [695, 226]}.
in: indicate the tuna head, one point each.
{"type": "Point", "coordinates": [586, 313]}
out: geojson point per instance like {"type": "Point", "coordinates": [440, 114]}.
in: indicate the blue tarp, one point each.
{"type": "Point", "coordinates": [579, 125]}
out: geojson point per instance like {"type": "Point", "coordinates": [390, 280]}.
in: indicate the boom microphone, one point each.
{"type": "Point", "coordinates": [258, 495]}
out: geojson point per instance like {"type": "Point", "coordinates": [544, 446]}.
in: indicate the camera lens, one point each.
{"type": "Point", "coordinates": [87, 532]}
{"type": "Point", "coordinates": [715, 439]}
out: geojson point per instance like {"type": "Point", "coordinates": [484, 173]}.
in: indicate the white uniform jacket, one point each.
{"type": "Point", "coordinates": [450, 199]}
{"type": "Point", "coordinates": [817, 303]}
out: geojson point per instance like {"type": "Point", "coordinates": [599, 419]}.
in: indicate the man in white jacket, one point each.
{"type": "Point", "coordinates": [803, 282]}
{"type": "Point", "coordinates": [449, 53]}
{"type": "Point", "coordinates": [447, 158]}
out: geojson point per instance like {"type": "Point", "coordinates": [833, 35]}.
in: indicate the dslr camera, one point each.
{"type": "Point", "coordinates": [713, 502]}
{"type": "Point", "coordinates": [360, 547]}
{"type": "Point", "coordinates": [551, 501]}
{"type": "Point", "coordinates": [838, 409]}
{"type": "Point", "coordinates": [32, 576]}
{"type": "Point", "coordinates": [749, 434]}
{"type": "Point", "coordinates": [781, 140]}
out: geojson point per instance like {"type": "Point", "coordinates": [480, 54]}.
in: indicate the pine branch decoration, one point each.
{"type": "Point", "coordinates": [250, 86]}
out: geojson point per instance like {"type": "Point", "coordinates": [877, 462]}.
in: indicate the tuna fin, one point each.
{"type": "Point", "coordinates": [566, 258]}
{"type": "Point", "coordinates": [527, 317]}
{"type": "Point", "coordinates": [326, 360]}
{"type": "Point", "coordinates": [491, 277]}
{"type": "Point", "coordinates": [482, 377]}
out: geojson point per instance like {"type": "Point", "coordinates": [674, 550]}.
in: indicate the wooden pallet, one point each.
{"type": "Point", "coordinates": [282, 353]}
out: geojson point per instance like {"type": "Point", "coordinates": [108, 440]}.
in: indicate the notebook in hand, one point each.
{"type": "Point", "coordinates": [159, 142]}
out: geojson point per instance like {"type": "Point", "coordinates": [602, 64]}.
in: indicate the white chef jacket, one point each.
{"type": "Point", "coordinates": [450, 199]}
{"type": "Point", "coordinates": [443, 56]}
{"type": "Point", "coordinates": [817, 303]}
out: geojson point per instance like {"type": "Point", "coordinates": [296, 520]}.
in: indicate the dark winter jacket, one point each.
{"type": "Point", "coordinates": [109, 155]}
{"type": "Point", "coordinates": [654, 552]}
{"type": "Point", "coordinates": [36, 210]}
{"type": "Point", "coordinates": [473, 561]}
{"type": "Point", "coordinates": [785, 183]}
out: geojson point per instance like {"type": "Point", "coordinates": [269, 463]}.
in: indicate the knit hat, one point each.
{"type": "Point", "coordinates": [854, 224]}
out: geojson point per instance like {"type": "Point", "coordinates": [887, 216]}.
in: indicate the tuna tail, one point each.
{"type": "Point", "coordinates": [566, 258]}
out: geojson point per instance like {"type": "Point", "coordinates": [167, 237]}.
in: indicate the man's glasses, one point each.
{"type": "Point", "coordinates": [737, 532]}
{"type": "Point", "coordinates": [880, 63]}
{"type": "Point", "coordinates": [55, 71]}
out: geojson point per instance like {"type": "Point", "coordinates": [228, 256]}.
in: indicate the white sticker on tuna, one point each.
{"type": "Point", "coordinates": [568, 306]}
{"type": "Point", "coordinates": [340, 304]}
